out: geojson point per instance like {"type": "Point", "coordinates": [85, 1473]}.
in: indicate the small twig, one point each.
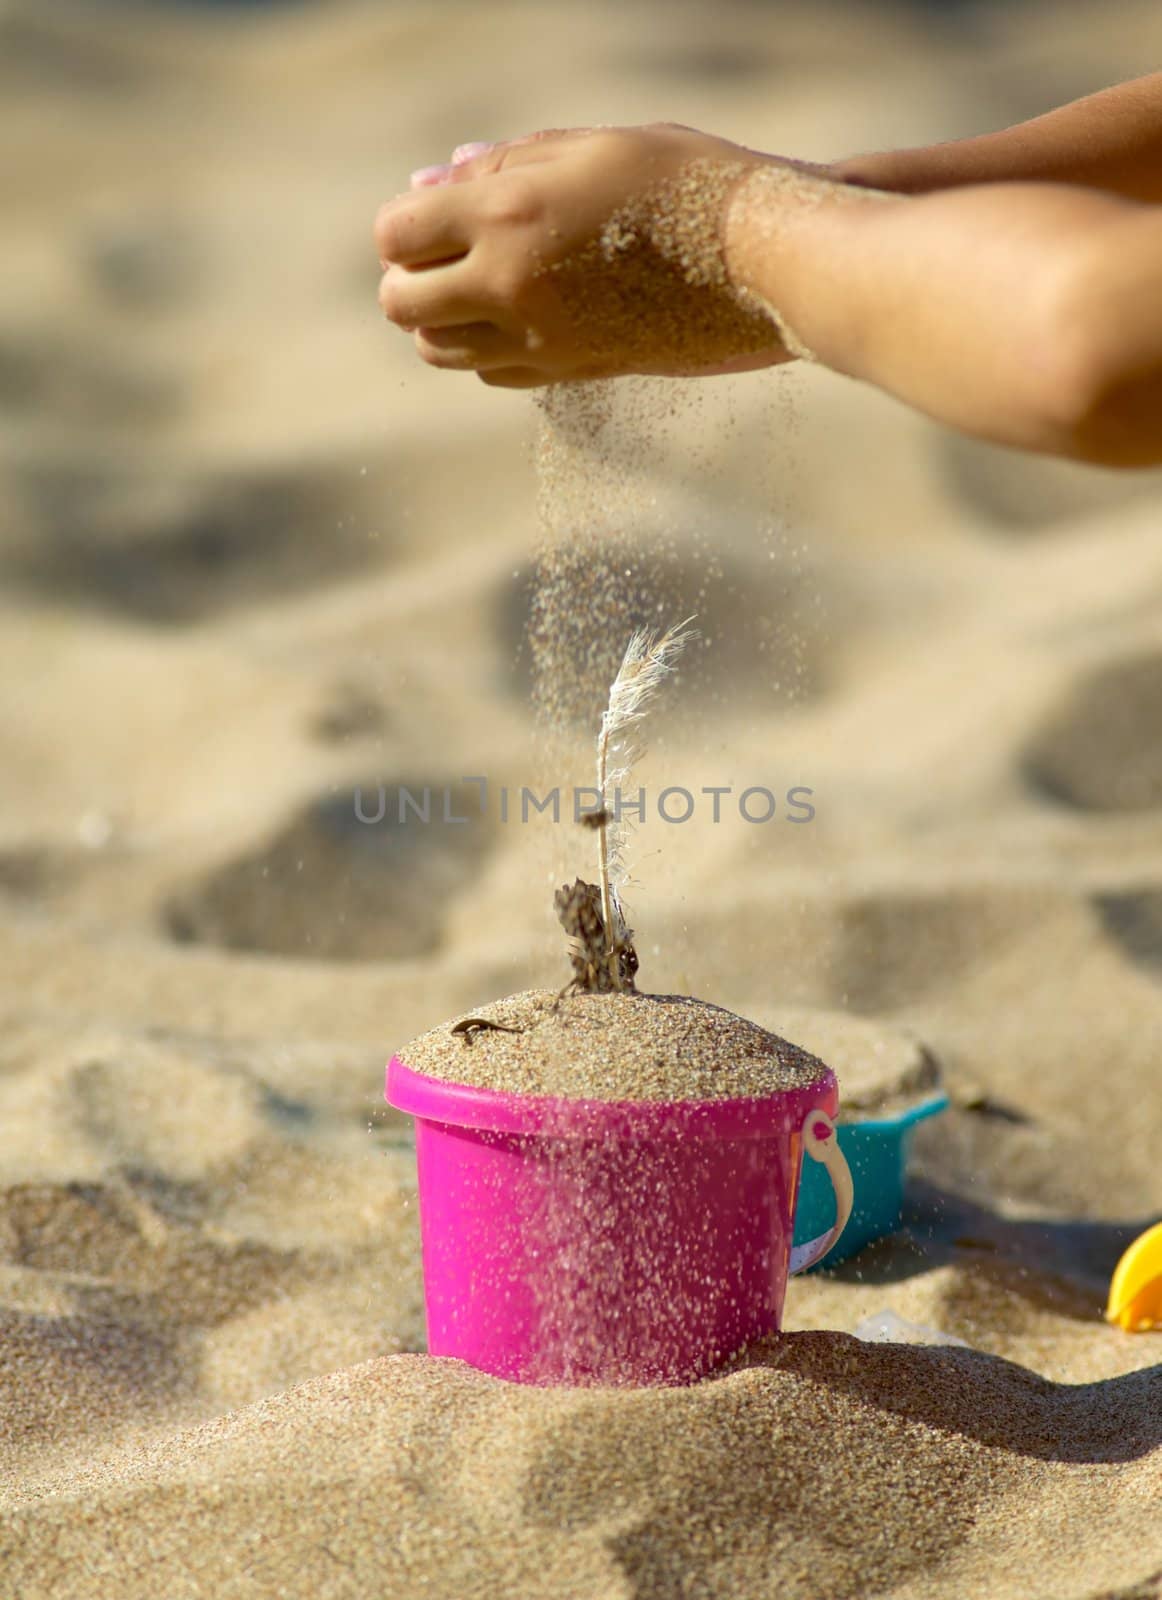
{"type": "Point", "coordinates": [599, 965]}
{"type": "Point", "coordinates": [469, 1027]}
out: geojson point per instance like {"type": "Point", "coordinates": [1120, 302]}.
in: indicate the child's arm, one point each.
{"type": "Point", "coordinates": [1026, 313]}
{"type": "Point", "coordinates": [1111, 140]}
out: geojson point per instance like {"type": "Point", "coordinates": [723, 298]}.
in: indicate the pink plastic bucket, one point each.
{"type": "Point", "coordinates": [621, 1242]}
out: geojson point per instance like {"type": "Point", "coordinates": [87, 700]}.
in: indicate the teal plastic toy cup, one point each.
{"type": "Point", "coordinates": [877, 1150]}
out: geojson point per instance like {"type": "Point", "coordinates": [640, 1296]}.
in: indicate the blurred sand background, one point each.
{"type": "Point", "coordinates": [253, 555]}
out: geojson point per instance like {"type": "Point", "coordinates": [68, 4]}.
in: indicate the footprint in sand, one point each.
{"type": "Point", "coordinates": [872, 953]}
{"type": "Point", "coordinates": [1025, 494]}
{"type": "Point", "coordinates": [176, 547]}
{"type": "Point", "coordinates": [334, 887]}
{"type": "Point", "coordinates": [1098, 748]}
{"type": "Point", "coordinates": [1135, 921]}
{"type": "Point", "coordinates": [67, 382]}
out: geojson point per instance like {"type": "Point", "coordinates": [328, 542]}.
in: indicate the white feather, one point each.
{"type": "Point", "coordinates": [647, 663]}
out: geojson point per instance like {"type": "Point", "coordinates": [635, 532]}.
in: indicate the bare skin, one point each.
{"type": "Point", "coordinates": [1010, 287]}
{"type": "Point", "coordinates": [469, 265]}
{"type": "Point", "coordinates": [1111, 141]}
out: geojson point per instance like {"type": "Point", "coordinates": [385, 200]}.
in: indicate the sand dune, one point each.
{"type": "Point", "coordinates": [720, 1489]}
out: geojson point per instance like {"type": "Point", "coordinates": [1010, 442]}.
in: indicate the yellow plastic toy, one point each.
{"type": "Point", "coordinates": [1136, 1286]}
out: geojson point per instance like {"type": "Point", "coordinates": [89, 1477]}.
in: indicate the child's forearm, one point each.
{"type": "Point", "coordinates": [1026, 314]}
{"type": "Point", "coordinates": [1111, 140]}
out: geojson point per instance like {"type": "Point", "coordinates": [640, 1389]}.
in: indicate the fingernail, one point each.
{"type": "Point", "coordinates": [468, 152]}
{"type": "Point", "coordinates": [424, 177]}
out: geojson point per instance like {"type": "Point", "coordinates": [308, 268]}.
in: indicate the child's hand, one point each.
{"type": "Point", "coordinates": [573, 255]}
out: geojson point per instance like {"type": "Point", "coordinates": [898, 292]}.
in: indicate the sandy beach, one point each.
{"type": "Point", "coordinates": [258, 566]}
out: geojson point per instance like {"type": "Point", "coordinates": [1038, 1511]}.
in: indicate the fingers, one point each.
{"type": "Point", "coordinates": [432, 177]}
{"type": "Point", "coordinates": [542, 146]}
{"type": "Point", "coordinates": [469, 152]}
{"type": "Point", "coordinates": [472, 347]}
{"type": "Point", "coordinates": [429, 177]}
{"type": "Point", "coordinates": [438, 297]}
{"type": "Point", "coordinates": [478, 160]}
{"type": "Point", "coordinates": [417, 232]}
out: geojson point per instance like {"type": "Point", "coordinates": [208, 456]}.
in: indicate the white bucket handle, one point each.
{"type": "Point", "coordinates": [821, 1143]}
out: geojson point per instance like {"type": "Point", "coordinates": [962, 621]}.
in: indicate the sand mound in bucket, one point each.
{"type": "Point", "coordinates": [611, 1047]}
